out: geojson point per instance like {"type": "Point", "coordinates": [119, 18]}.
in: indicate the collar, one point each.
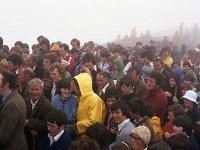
{"type": "Point", "coordinates": [120, 126]}
{"type": "Point", "coordinates": [6, 95]}
{"type": "Point", "coordinates": [33, 104]}
{"type": "Point", "coordinates": [104, 89]}
{"type": "Point", "coordinates": [55, 138]}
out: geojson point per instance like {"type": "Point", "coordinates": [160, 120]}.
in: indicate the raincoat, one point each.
{"type": "Point", "coordinates": [91, 107]}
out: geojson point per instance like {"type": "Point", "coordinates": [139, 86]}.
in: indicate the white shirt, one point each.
{"type": "Point", "coordinates": [33, 104]}
{"type": "Point", "coordinates": [120, 126]}
{"type": "Point", "coordinates": [104, 89]}
{"type": "Point", "coordinates": [55, 138]}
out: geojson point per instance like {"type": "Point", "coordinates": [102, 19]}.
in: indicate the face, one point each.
{"type": "Point", "coordinates": [151, 84]}
{"type": "Point", "coordinates": [88, 65]}
{"type": "Point", "coordinates": [145, 60]}
{"type": "Point", "coordinates": [65, 92]}
{"type": "Point", "coordinates": [110, 101]}
{"type": "Point", "coordinates": [62, 52]}
{"type": "Point", "coordinates": [137, 142]}
{"type": "Point", "coordinates": [101, 81]}
{"type": "Point", "coordinates": [44, 47]}
{"type": "Point", "coordinates": [74, 45]}
{"type": "Point", "coordinates": [172, 82]}
{"type": "Point", "coordinates": [170, 116]}
{"type": "Point", "coordinates": [3, 88]}
{"type": "Point", "coordinates": [125, 89]}
{"type": "Point", "coordinates": [11, 67]}
{"type": "Point", "coordinates": [115, 66]}
{"type": "Point", "coordinates": [46, 64]}
{"type": "Point", "coordinates": [29, 61]}
{"type": "Point", "coordinates": [177, 129]}
{"type": "Point", "coordinates": [118, 116]}
{"type": "Point", "coordinates": [187, 104]}
{"type": "Point", "coordinates": [35, 91]}
{"type": "Point", "coordinates": [55, 75]}
{"type": "Point", "coordinates": [186, 68]}
{"type": "Point", "coordinates": [54, 129]}
{"type": "Point", "coordinates": [134, 76]}
{"type": "Point", "coordinates": [165, 54]}
{"type": "Point", "coordinates": [21, 77]}
{"type": "Point", "coordinates": [157, 66]}
{"type": "Point", "coordinates": [75, 89]}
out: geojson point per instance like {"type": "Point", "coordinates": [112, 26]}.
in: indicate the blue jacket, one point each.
{"type": "Point", "coordinates": [69, 106]}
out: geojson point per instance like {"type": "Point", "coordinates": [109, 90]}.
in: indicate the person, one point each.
{"type": "Point", "coordinates": [158, 145]}
{"type": "Point", "coordinates": [117, 71]}
{"type": "Point", "coordinates": [155, 95]}
{"type": "Point", "coordinates": [183, 124]}
{"type": "Point", "coordinates": [103, 83]}
{"type": "Point", "coordinates": [189, 74]}
{"type": "Point", "coordinates": [122, 119]}
{"type": "Point", "coordinates": [66, 102]}
{"type": "Point", "coordinates": [12, 114]}
{"type": "Point", "coordinates": [127, 88]}
{"type": "Point", "coordinates": [179, 141]}
{"type": "Point", "coordinates": [91, 108]}
{"type": "Point", "coordinates": [37, 107]}
{"type": "Point", "coordinates": [58, 138]}
{"type": "Point", "coordinates": [122, 146]}
{"type": "Point", "coordinates": [138, 112]}
{"type": "Point", "coordinates": [140, 87]}
{"type": "Point", "coordinates": [140, 137]}
{"type": "Point", "coordinates": [165, 54]}
{"type": "Point", "coordinates": [103, 64]}
{"type": "Point", "coordinates": [99, 133]}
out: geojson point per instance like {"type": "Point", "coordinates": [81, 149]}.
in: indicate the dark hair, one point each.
{"type": "Point", "coordinates": [139, 43]}
{"type": "Point", "coordinates": [120, 104]}
{"type": "Point", "coordinates": [179, 141]}
{"type": "Point", "coordinates": [75, 40]}
{"type": "Point", "coordinates": [9, 78]}
{"type": "Point", "coordinates": [63, 83]}
{"type": "Point", "coordinates": [117, 48]}
{"type": "Point", "coordinates": [136, 105]}
{"type": "Point", "coordinates": [185, 122]}
{"type": "Point", "coordinates": [25, 45]}
{"type": "Point", "coordinates": [104, 74]}
{"type": "Point", "coordinates": [105, 54]}
{"type": "Point", "coordinates": [159, 145]}
{"type": "Point", "coordinates": [57, 116]}
{"type": "Point", "coordinates": [99, 133]}
{"type": "Point", "coordinates": [28, 72]}
{"type": "Point", "coordinates": [166, 48]}
{"type": "Point", "coordinates": [148, 54]}
{"type": "Point", "coordinates": [44, 41]}
{"type": "Point", "coordinates": [1, 42]}
{"type": "Point", "coordinates": [16, 59]}
{"type": "Point", "coordinates": [84, 143]}
{"type": "Point", "coordinates": [112, 92]}
{"type": "Point", "coordinates": [65, 46]}
{"type": "Point", "coordinates": [187, 64]}
{"type": "Point", "coordinates": [74, 50]}
{"type": "Point", "coordinates": [19, 43]}
{"type": "Point", "coordinates": [135, 68]}
{"type": "Point", "coordinates": [51, 57]}
{"type": "Point", "coordinates": [126, 80]}
{"type": "Point", "coordinates": [176, 109]}
{"type": "Point", "coordinates": [158, 77]}
{"type": "Point", "coordinates": [124, 52]}
{"type": "Point", "coordinates": [89, 57]}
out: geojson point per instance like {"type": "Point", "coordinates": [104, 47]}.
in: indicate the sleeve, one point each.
{"type": "Point", "coordinates": [10, 118]}
{"type": "Point", "coordinates": [72, 114]}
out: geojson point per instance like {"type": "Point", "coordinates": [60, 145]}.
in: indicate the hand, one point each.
{"type": "Point", "coordinates": [168, 93]}
{"type": "Point", "coordinates": [175, 99]}
{"type": "Point", "coordinates": [167, 135]}
{"type": "Point", "coordinates": [26, 121]}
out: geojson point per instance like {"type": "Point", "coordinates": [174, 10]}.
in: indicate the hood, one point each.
{"type": "Point", "coordinates": [119, 62]}
{"type": "Point", "coordinates": [85, 83]}
{"type": "Point", "coordinates": [155, 121]}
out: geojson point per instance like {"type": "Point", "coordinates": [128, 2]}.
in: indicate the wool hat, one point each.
{"type": "Point", "coordinates": [55, 48]}
{"type": "Point", "coordinates": [144, 133]}
{"type": "Point", "coordinates": [191, 95]}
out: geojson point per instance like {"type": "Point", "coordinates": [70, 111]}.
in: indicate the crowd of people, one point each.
{"type": "Point", "coordinates": [92, 97]}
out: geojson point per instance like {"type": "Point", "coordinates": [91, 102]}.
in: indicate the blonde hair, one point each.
{"type": "Point", "coordinates": [36, 81]}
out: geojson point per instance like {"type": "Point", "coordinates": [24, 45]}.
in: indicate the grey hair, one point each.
{"type": "Point", "coordinates": [36, 81]}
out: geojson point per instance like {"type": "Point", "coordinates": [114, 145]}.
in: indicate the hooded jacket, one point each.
{"type": "Point", "coordinates": [117, 74]}
{"type": "Point", "coordinates": [91, 107]}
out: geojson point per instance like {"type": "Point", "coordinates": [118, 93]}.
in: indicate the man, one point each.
{"type": "Point", "coordinates": [121, 117]}
{"type": "Point", "coordinates": [58, 138]}
{"type": "Point", "coordinates": [159, 67]}
{"type": "Point", "coordinates": [127, 88]}
{"type": "Point", "coordinates": [31, 62]}
{"type": "Point", "coordinates": [12, 115]}
{"type": "Point", "coordinates": [37, 108]}
{"type": "Point", "coordinates": [103, 83]}
{"type": "Point", "coordinates": [189, 73]}
{"type": "Point", "coordinates": [155, 95]}
{"type": "Point", "coordinates": [91, 108]}
{"type": "Point", "coordinates": [75, 43]}
{"type": "Point", "coordinates": [140, 87]}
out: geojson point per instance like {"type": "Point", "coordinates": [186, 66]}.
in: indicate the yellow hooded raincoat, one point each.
{"type": "Point", "coordinates": [91, 107]}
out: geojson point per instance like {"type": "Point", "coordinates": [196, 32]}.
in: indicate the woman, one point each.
{"type": "Point", "coordinates": [66, 102]}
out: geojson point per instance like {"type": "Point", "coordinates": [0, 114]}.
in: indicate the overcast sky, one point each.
{"type": "Point", "coordinates": [97, 20]}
